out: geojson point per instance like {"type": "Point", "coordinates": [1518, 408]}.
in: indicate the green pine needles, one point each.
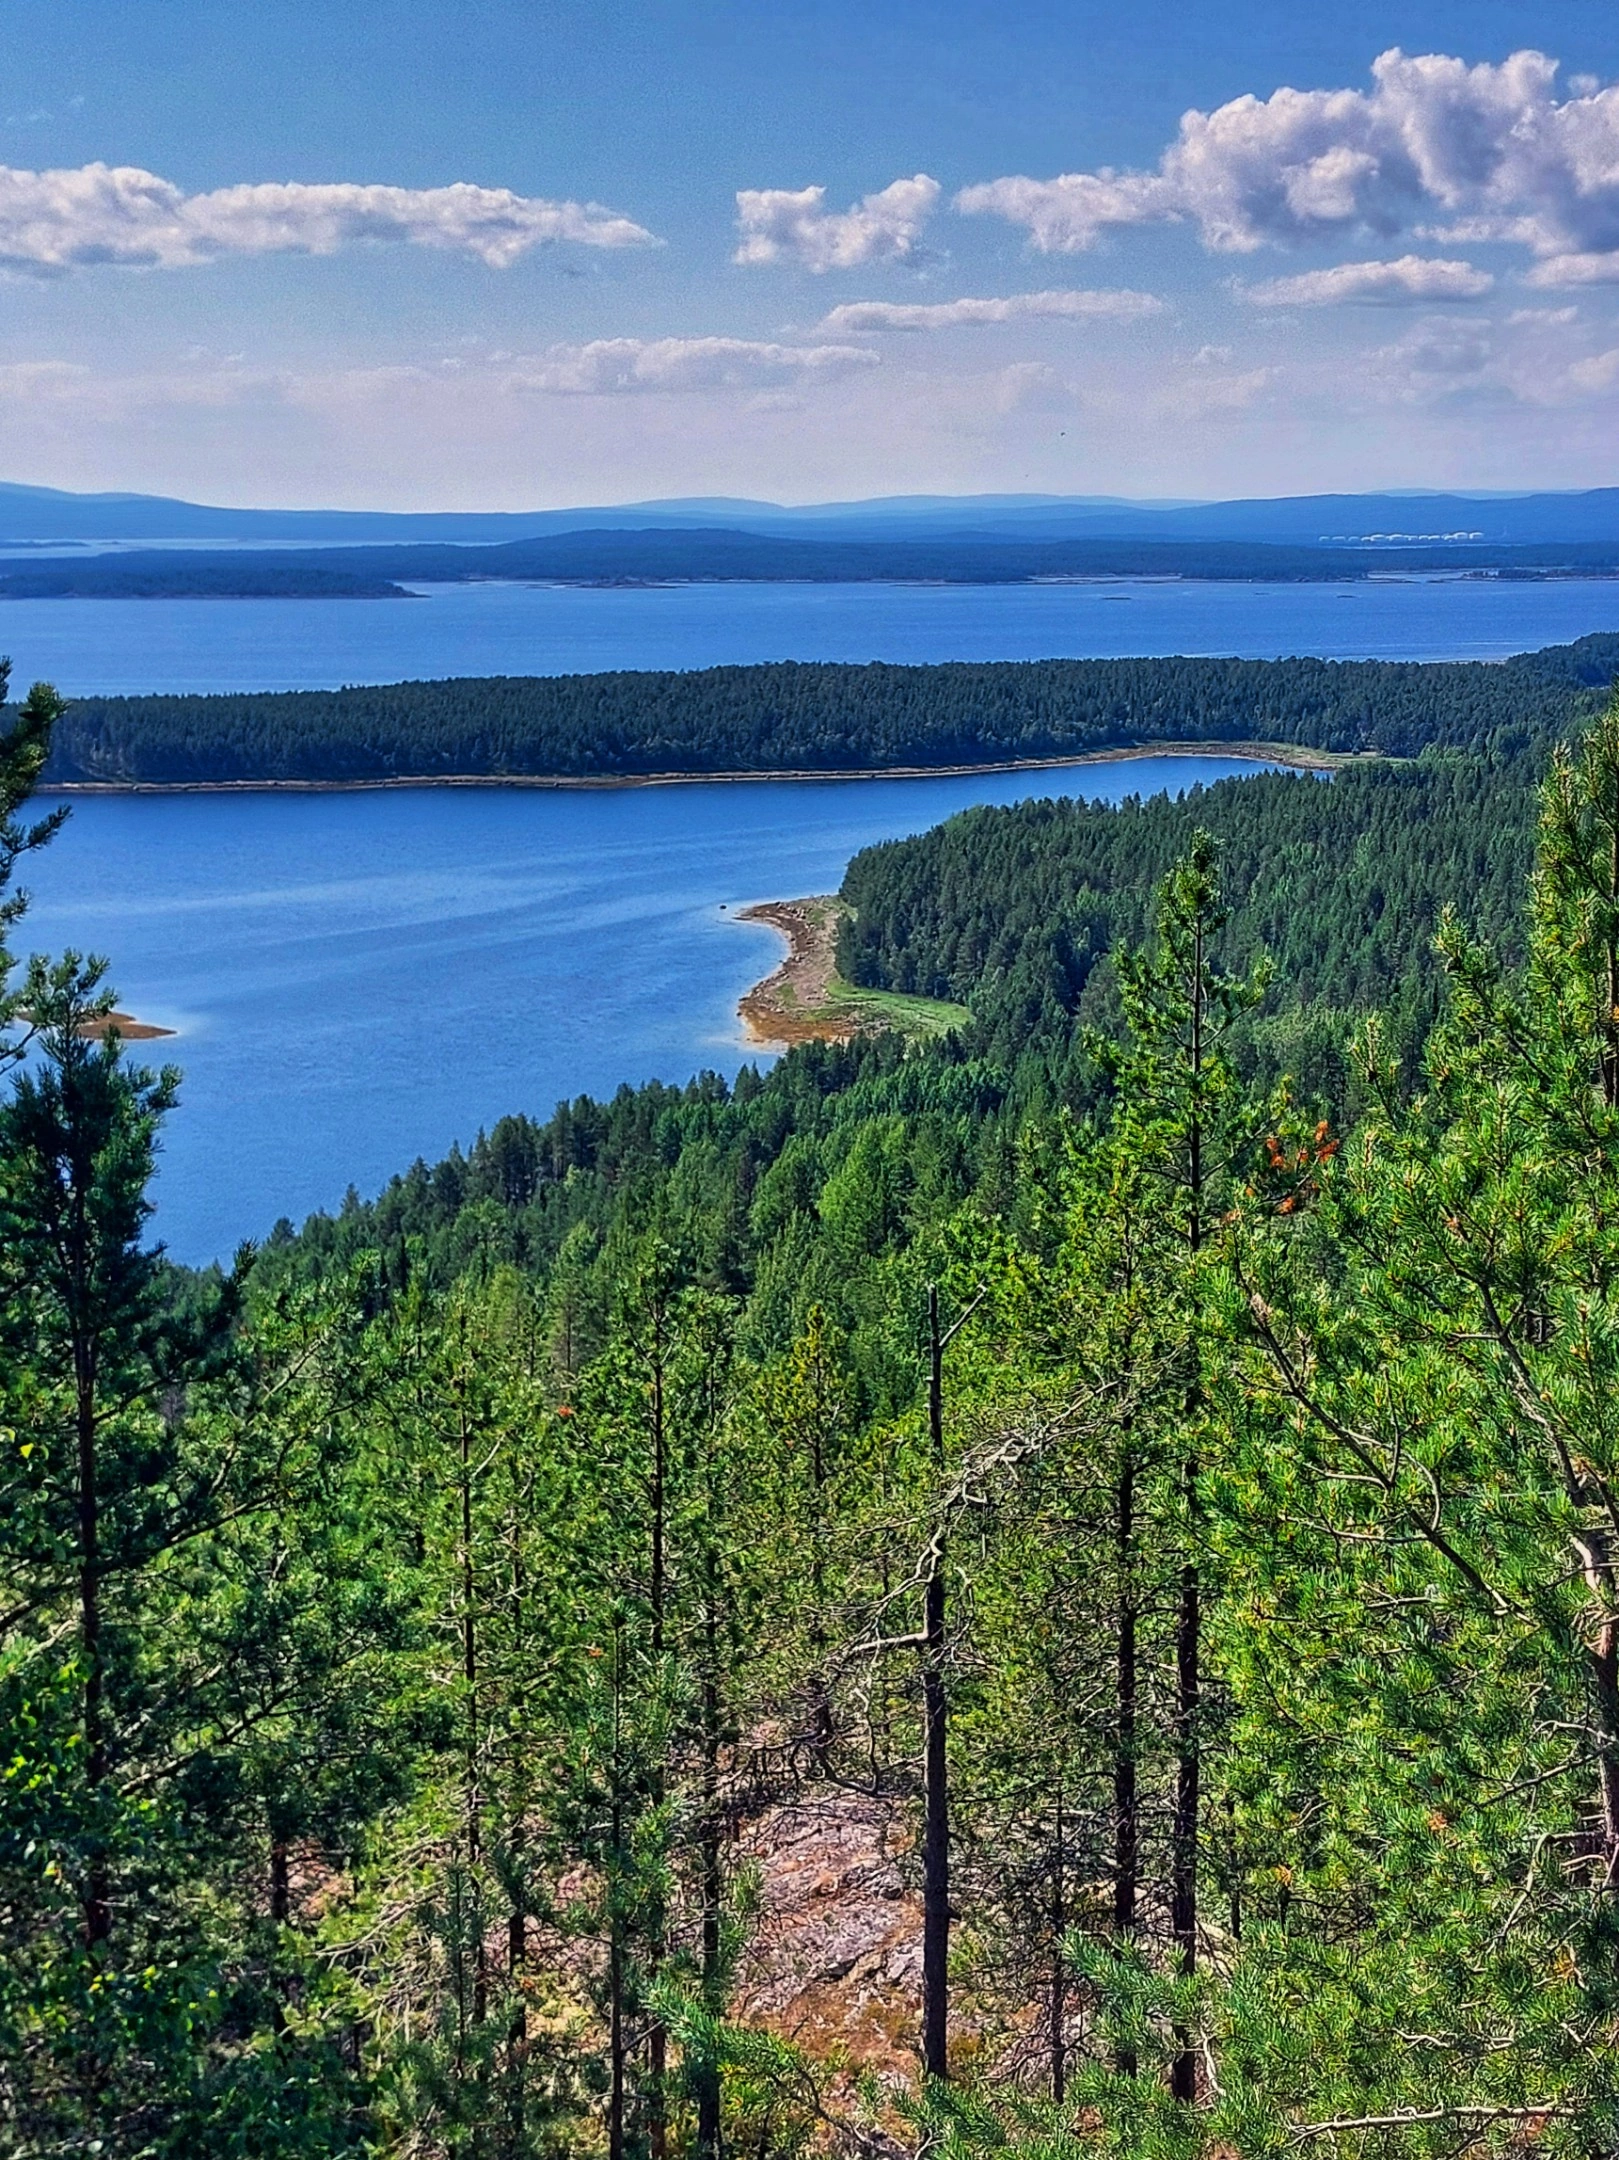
{"type": "Point", "coordinates": [1083, 1555]}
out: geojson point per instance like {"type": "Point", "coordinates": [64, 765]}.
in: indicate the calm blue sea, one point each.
{"type": "Point", "coordinates": [358, 979]}
{"type": "Point", "coordinates": [107, 647]}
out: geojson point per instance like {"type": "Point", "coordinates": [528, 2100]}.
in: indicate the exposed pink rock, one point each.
{"type": "Point", "coordinates": [835, 1959]}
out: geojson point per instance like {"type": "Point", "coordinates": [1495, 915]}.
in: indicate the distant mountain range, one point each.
{"type": "Point", "coordinates": [32, 517]}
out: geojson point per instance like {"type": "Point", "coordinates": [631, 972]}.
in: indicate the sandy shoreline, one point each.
{"type": "Point", "coordinates": [1292, 754]}
{"type": "Point", "coordinates": [791, 1004]}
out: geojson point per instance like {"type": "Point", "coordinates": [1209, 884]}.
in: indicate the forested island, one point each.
{"type": "Point", "coordinates": [657, 555]}
{"type": "Point", "coordinates": [1047, 1591]}
{"type": "Point", "coordinates": [812, 716]}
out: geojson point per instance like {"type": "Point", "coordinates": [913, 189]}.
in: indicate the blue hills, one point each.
{"type": "Point", "coordinates": [34, 517]}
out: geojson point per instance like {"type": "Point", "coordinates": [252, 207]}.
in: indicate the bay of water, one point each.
{"type": "Point", "coordinates": [359, 979]}
{"type": "Point", "coordinates": [110, 647]}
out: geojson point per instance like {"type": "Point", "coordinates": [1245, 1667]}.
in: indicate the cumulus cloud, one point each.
{"type": "Point", "coordinates": [58, 221]}
{"type": "Point", "coordinates": [1600, 372]}
{"type": "Point", "coordinates": [793, 225]}
{"type": "Point", "coordinates": [609, 365]}
{"type": "Point", "coordinates": [1410, 277]}
{"type": "Point", "coordinates": [1094, 306]}
{"type": "Point", "coordinates": [1214, 390]}
{"type": "Point", "coordinates": [1589, 268]}
{"type": "Point", "coordinates": [1493, 149]}
{"type": "Point", "coordinates": [1029, 385]}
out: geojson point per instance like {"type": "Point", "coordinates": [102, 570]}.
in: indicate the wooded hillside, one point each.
{"type": "Point", "coordinates": [1038, 1594]}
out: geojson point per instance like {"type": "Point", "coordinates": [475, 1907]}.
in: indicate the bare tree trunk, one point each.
{"type": "Point", "coordinates": [1126, 1802]}
{"type": "Point", "coordinates": [657, 2036]}
{"type": "Point", "coordinates": [713, 1890]}
{"type": "Point", "coordinates": [1597, 1566]}
{"type": "Point", "coordinates": [280, 1882]}
{"type": "Point", "coordinates": [516, 1817]}
{"type": "Point", "coordinates": [615, 2033]}
{"type": "Point", "coordinates": [936, 1771]}
{"type": "Point", "coordinates": [1058, 2010]}
{"type": "Point", "coordinates": [1188, 1618]}
{"type": "Point", "coordinates": [97, 1894]}
{"type": "Point", "coordinates": [820, 1702]}
{"type": "Point", "coordinates": [472, 1795]}
{"type": "Point", "coordinates": [615, 1922]}
{"type": "Point", "coordinates": [1188, 1767]}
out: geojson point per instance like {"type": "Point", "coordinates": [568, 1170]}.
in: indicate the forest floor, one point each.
{"type": "Point", "coordinates": [807, 1000]}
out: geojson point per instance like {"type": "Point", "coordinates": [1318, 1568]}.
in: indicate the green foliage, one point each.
{"type": "Point", "coordinates": [426, 1653]}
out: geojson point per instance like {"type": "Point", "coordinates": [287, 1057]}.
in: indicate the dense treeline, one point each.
{"type": "Point", "coordinates": [1013, 911]}
{"type": "Point", "coordinates": [1154, 1543]}
{"type": "Point", "coordinates": [822, 717]}
{"type": "Point", "coordinates": [704, 555]}
{"type": "Point", "coordinates": [180, 575]}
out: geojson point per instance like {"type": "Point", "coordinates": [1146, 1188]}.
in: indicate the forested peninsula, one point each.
{"type": "Point", "coordinates": [1049, 1591]}
{"type": "Point", "coordinates": [713, 554]}
{"type": "Point", "coordinates": [800, 716]}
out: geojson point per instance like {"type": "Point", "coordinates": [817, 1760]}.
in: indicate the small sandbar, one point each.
{"type": "Point", "coordinates": [124, 1024]}
{"type": "Point", "coordinates": [100, 1025]}
{"type": "Point", "coordinates": [126, 1027]}
{"type": "Point", "coordinates": [798, 1003]}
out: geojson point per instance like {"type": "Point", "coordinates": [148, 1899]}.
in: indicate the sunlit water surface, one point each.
{"type": "Point", "coordinates": [360, 978]}
{"type": "Point", "coordinates": [107, 647]}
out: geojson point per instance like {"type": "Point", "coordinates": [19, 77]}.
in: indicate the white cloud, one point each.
{"type": "Point", "coordinates": [1410, 277]}
{"type": "Point", "coordinates": [1029, 385]}
{"type": "Point", "coordinates": [607, 365]}
{"type": "Point", "coordinates": [1600, 372]}
{"type": "Point", "coordinates": [780, 225]}
{"type": "Point", "coordinates": [1590, 268]}
{"type": "Point", "coordinates": [32, 379]}
{"type": "Point", "coordinates": [1211, 391]}
{"type": "Point", "coordinates": [57, 221]}
{"type": "Point", "coordinates": [1070, 212]}
{"type": "Point", "coordinates": [1543, 315]}
{"type": "Point", "coordinates": [1491, 146]}
{"type": "Point", "coordinates": [1447, 350]}
{"type": "Point", "coordinates": [1097, 306]}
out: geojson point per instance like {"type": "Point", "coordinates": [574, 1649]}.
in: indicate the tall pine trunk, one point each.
{"type": "Point", "coordinates": [1057, 2009]}
{"type": "Point", "coordinates": [1188, 1613]}
{"type": "Point", "coordinates": [1126, 1799]}
{"type": "Point", "coordinates": [472, 1797]}
{"type": "Point", "coordinates": [657, 2033]}
{"type": "Point", "coordinates": [97, 1893]}
{"type": "Point", "coordinates": [711, 1974]}
{"type": "Point", "coordinates": [936, 1770]}
{"type": "Point", "coordinates": [615, 1916]}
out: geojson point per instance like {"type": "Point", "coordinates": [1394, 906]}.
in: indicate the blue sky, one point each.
{"type": "Point", "coordinates": [493, 255]}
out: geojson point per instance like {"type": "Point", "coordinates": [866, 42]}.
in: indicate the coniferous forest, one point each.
{"type": "Point", "coordinates": [820, 716]}
{"type": "Point", "coordinates": [1051, 1592]}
